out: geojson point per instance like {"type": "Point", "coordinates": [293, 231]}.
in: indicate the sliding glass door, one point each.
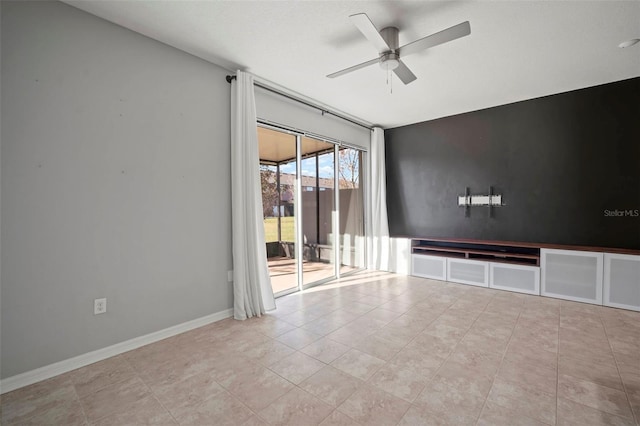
{"type": "Point", "coordinates": [278, 172]}
{"type": "Point", "coordinates": [317, 210]}
{"type": "Point", "coordinates": [313, 208]}
{"type": "Point", "coordinates": [352, 237]}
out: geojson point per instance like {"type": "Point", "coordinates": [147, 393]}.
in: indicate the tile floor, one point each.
{"type": "Point", "coordinates": [374, 349]}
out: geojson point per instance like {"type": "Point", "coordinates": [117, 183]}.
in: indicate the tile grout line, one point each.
{"type": "Point", "coordinates": [133, 370]}
{"type": "Point", "coordinates": [615, 360]}
{"type": "Point", "coordinates": [395, 355]}
{"type": "Point", "coordinates": [84, 413]}
{"type": "Point", "coordinates": [603, 385]}
{"type": "Point", "coordinates": [153, 394]}
{"type": "Point", "coordinates": [121, 381]}
{"type": "Point", "coordinates": [150, 389]}
{"type": "Point", "coordinates": [456, 345]}
{"type": "Point", "coordinates": [558, 360]}
{"type": "Point", "coordinates": [386, 362]}
{"type": "Point", "coordinates": [351, 321]}
{"type": "Point", "coordinates": [504, 354]}
{"type": "Point", "coordinates": [295, 386]}
{"type": "Point", "coordinates": [325, 364]}
{"type": "Point", "coordinates": [239, 400]}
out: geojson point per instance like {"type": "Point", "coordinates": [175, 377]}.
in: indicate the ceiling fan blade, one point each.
{"type": "Point", "coordinates": [353, 68]}
{"type": "Point", "coordinates": [366, 27]}
{"type": "Point", "coordinates": [457, 31]}
{"type": "Point", "coordinates": [404, 73]}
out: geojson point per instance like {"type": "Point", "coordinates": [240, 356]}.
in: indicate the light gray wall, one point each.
{"type": "Point", "coordinates": [115, 183]}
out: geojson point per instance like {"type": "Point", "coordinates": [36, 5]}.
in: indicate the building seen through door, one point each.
{"type": "Point", "coordinates": [313, 223]}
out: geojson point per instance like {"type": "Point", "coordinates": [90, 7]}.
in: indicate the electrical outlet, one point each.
{"type": "Point", "coordinates": [230, 276]}
{"type": "Point", "coordinates": [99, 306]}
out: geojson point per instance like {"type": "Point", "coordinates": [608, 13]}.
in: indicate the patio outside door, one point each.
{"type": "Point", "coordinates": [317, 171]}
{"type": "Point", "coordinates": [305, 183]}
{"type": "Point", "coordinates": [278, 171]}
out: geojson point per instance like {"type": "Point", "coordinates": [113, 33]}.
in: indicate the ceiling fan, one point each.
{"type": "Point", "coordinates": [389, 54]}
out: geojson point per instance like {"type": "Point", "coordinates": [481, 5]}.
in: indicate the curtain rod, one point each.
{"type": "Point", "coordinates": [230, 78]}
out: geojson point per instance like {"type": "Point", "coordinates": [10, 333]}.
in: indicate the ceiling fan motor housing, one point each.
{"type": "Point", "coordinates": [390, 35]}
{"type": "Point", "coordinates": [389, 60]}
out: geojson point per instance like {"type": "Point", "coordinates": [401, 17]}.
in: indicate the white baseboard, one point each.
{"type": "Point", "coordinates": [48, 371]}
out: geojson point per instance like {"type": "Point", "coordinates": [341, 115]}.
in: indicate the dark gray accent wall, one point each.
{"type": "Point", "coordinates": [567, 165]}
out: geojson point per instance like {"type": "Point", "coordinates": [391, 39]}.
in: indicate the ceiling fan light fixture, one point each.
{"type": "Point", "coordinates": [389, 61]}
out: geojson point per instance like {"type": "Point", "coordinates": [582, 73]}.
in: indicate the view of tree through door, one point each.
{"type": "Point", "coordinates": [278, 170]}
{"type": "Point", "coordinates": [352, 239]}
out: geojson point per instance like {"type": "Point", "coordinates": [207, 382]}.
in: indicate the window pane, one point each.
{"type": "Point", "coordinates": [277, 179]}
{"type": "Point", "coordinates": [317, 208]}
{"type": "Point", "coordinates": [352, 240]}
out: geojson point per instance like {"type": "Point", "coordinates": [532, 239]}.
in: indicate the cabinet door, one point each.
{"type": "Point", "coordinates": [465, 271]}
{"type": "Point", "coordinates": [572, 275]}
{"type": "Point", "coordinates": [518, 278]}
{"type": "Point", "coordinates": [426, 266]}
{"type": "Point", "coordinates": [622, 281]}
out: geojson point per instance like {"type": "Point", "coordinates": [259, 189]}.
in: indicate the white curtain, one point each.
{"type": "Point", "coordinates": [379, 222]}
{"type": "Point", "coordinates": [252, 291]}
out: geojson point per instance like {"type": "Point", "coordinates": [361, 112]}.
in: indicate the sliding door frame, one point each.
{"type": "Point", "coordinates": [335, 214]}
{"type": "Point", "coordinates": [365, 207]}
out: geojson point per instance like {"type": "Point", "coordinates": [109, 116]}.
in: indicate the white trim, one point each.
{"type": "Point", "coordinates": [51, 370]}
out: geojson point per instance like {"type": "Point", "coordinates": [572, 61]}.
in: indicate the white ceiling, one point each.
{"type": "Point", "coordinates": [517, 50]}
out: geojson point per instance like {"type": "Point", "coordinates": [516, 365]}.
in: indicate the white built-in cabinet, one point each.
{"type": "Point", "coordinates": [608, 279]}
{"type": "Point", "coordinates": [622, 281]}
{"type": "Point", "coordinates": [425, 266]}
{"type": "Point", "coordinates": [465, 271]}
{"type": "Point", "coordinates": [502, 276]}
{"type": "Point", "coordinates": [572, 275]}
{"type": "Point", "coordinates": [513, 277]}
